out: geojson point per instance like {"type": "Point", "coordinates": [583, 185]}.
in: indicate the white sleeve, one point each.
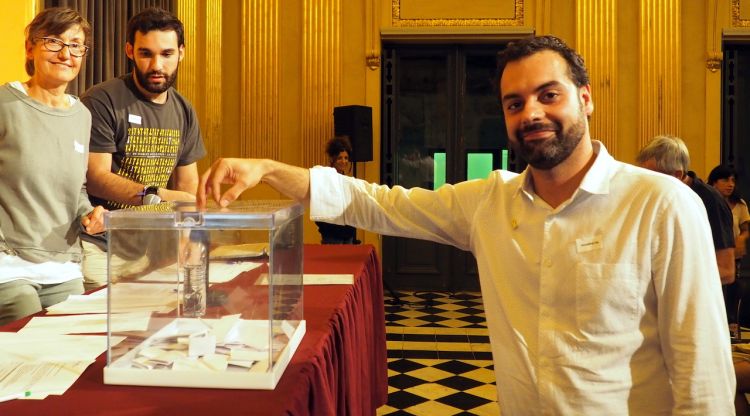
{"type": "Point", "coordinates": [444, 216]}
{"type": "Point", "coordinates": [328, 196]}
{"type": "Point", "coordinates": [692, 321]}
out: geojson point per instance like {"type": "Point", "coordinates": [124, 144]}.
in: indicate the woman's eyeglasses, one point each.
{"type": "Point", "coordinates": [56, 45]}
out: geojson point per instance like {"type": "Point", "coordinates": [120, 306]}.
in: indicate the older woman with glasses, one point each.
{"type": "Point", "coordinates": [44, 140]}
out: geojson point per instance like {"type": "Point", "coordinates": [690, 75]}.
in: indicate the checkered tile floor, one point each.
{"type": "Point", "coordinates": [439, 358]}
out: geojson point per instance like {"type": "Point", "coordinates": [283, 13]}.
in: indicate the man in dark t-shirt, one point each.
{"type": "Point", "coordinates": [669, 155]}
{"type": "Point", "coordinates": [145, 138]}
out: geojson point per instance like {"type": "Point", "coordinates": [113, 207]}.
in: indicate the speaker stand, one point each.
{"type": "Point", "coordinates": [396, 298]}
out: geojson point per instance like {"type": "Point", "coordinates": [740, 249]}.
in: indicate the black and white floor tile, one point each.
{"type": "Point", "coordinates": [439, 358]}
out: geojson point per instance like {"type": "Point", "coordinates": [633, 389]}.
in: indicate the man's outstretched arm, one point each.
{"type": "Point", "coordinates": [242, 174]}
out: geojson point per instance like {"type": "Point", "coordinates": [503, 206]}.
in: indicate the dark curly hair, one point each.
{"type": "Point", "coordinates": [528, 46]}
{"type": "Point", "coordinates": [154, 18]}
{"type": "Point", "coordinates": [337, 145]}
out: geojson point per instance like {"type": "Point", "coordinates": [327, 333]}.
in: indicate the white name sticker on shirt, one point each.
{"type": "Point", "coordinates": [78, 147]}
{"type": "Point", "coordinates": [132, 118]}
{"type": "Point", "coordinates": [584, 245]}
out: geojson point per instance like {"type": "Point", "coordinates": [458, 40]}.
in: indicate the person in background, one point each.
{"type": "Point", "coordinates": [145, 138]}
{"type": "Point", "coordinates": [669, 155]}
{"type": "Point", "coordinates": [338, 150]}
{"type": "Point", "coordinates": [44, 137]}
{"type": "Point", "coordinates": [600, 286]}
{"type": "Point", "coordinates": [724, 179]}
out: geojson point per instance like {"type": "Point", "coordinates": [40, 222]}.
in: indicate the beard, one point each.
{"type": "Point", "coordinates": [546, 154]}
{"type": "Point", "coordinates": [155, 87]}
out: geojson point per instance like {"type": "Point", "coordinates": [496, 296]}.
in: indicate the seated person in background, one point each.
{"type": "Point", "coordinates": [338, 150]}
{"type": "Point", "coordinates": [44, 140]}
{"type": "Point", "coordinates": [669, 155]}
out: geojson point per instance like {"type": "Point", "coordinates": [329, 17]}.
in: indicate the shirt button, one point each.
{"type": "Point", "coordinates": [548, 263]}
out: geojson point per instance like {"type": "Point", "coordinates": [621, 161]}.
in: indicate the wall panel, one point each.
{"type": "Point", "coordinates": [199, 79]}
{"type": "Point", "coordinates": [321, 65]}
{"type": "Point", "coordinates": [660, 69]}
{"type": "Point", "coordinates": [260, 80]}
{"type": "Point", "coordinates": [596, 35]}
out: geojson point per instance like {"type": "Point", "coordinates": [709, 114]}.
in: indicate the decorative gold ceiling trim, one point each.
{"type": "Point", "coordinates": [516, 20]}
{"type": "Point", "coordinates": [737, 21]}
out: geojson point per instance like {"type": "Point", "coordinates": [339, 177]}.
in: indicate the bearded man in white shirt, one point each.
{"type": "Point", "coordinates": [599, 288]}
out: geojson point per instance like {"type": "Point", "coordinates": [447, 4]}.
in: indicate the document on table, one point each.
{"type": "Point", "coordinates": [309, 279]}
{"type": "Point", "coordinates": [87, 324]}
{"type": "Point", "coordinates": [35, 365]}
{"type": "Point", "coordinates": [130, 297]}
{"type": "Point", "coordinates": [218, 272]}
{"type": "Point", "coordinates": [37, 379]}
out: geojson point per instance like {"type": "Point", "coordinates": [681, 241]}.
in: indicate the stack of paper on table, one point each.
{"type": "Point", "coordinates": [131, 297]}
{"type": "Point", "coordinates": [34, 365]}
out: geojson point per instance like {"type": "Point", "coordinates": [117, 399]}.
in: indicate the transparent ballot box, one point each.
{"type": "Point", "coordinates": [211, 298]}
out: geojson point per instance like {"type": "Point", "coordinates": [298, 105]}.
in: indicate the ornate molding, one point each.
{"type": "Point", "coordinates": [713, 61]}
{"type": "Point", "coordinates": [516, 20]}
{"type": "Point", "coordinates": [737, 20]}
{"type": "Point", "coordinates": [373, 60]}
{"type": "Point", "coordinates": [372, 34]}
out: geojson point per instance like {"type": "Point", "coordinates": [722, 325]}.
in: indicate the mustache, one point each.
{"type": "Point", "coordinates": [536, 126]}
{"type": "Point", "coordinates": [530, 128]}
{"type": "Point", "coordinates": [158, 73]}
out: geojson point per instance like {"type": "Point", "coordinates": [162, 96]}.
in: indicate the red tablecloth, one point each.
{"type": "Point", "coordinates": [339, 368]}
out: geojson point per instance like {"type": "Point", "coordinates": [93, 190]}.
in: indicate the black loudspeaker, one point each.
{"type": "Point", "coordinates": [355, 121]}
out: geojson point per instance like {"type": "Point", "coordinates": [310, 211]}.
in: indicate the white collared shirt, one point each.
{"type": "Point", "coordinates": [608, 304]}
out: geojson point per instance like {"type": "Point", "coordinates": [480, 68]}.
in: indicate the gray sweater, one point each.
{"type": "Point", "coordinates": [43, 160]}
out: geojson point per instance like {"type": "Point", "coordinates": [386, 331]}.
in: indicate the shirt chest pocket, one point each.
{"type": "Point", "coordinates": [606, 298]}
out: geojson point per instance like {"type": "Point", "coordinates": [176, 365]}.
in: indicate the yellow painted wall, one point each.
{"type": "Point", "coordinates": [16, 14]}
{"type": "Point", "coordinates": [361, 22]}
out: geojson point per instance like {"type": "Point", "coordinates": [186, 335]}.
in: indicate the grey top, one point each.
{"type": "Point", "coordinates": [43, 160]}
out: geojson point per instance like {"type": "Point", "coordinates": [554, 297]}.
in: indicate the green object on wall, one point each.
{"type": "Point", "coordinates": [439, 170]}
{"type": "Point", "coordinates": [478, 165]}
